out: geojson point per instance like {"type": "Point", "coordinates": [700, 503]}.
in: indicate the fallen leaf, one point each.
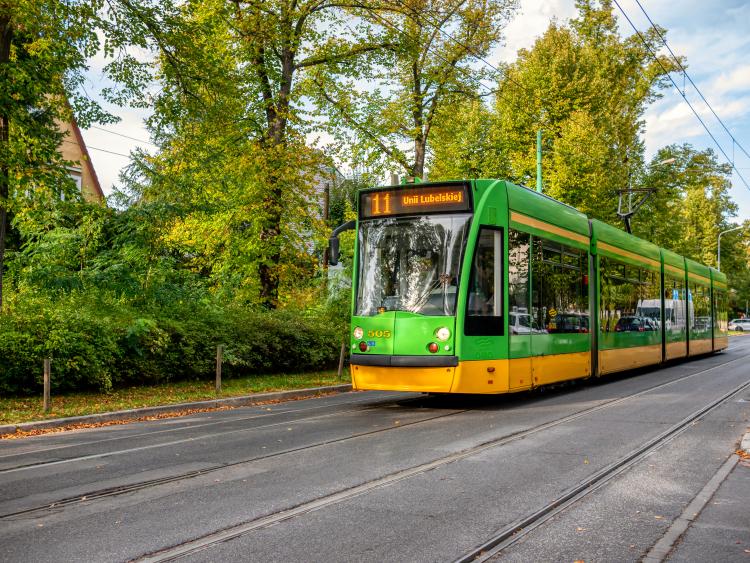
{"type": "Point", "coordinates": [659, 517]}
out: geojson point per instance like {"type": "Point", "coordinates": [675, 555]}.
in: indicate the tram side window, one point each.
{"type": "Point", "coordinates": [560, 296]}
{"type": "Point", "coordinates": [484, 304]}
{"type": "Point", "coordinates": [675, 318]}
{"type": "Point", "coordinates": [630, 297]}
{"type": "Point", "coordinates": [700, 317]}
{"type": "Point", "coordinates": [720, 313]}
{"type": "Point", "coordinates": [519, 317]}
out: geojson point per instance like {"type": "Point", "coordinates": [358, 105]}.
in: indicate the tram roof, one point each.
{"type": "Point", "coordinates": [544, 208]}
{"type": "Point", "coordinates": [718, 276]}
{"type": "Point", "coordinates": [673, 259]}
{"type": "Point", "coordinates": [609, 235]}
{"type": "Point", "coordinates": [697, 269]}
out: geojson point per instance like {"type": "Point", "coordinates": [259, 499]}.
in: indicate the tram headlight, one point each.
{"type": "Point", "coordinates": [358, 333]}
{"type": "Point", "coordinates": [442, 334]}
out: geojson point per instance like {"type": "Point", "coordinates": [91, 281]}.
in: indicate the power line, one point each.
{"type": "Point", "coordinates": [98, 149]}
{"type": "Point", "coordinates": [656, 58]}
{"type": "Point", "coordinates": [535, 94]}
{"type": "Point", "coordinates": [123, 135]}
{"type": "Point", "coordinates": [686, 75]}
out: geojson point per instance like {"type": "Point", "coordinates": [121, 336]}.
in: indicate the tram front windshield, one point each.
{"type": "Point", "coordinates": [410, 264]}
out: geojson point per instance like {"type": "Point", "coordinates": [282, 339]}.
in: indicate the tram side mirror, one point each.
{"type": "Point", "coordinates": [333, 251]}
{"type": "Point", "coordinates": [333, 242]}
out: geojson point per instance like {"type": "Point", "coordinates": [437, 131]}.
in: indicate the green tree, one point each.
{"type": "Point", "coordinates": [44, 45]}
{"type": "Point", "coordinates": [230, 115]}
{"type": "Point", "coordinates": [385, 116]}
{"type": "Point", "coordinates": [586, 87]}
{"type": "Point", "coordinates": [690, 204]}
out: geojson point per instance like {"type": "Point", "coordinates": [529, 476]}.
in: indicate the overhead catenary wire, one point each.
{"type": "Point", "coordinates": [684, 97]}
{"type": "Point", "coordinates": [98, 149]}
{"type": "Point", "coordinates": [123, 135]}
{"type": "Point", "coordinates": [686, 75]}
{"type": "Point", "coordinates": [648, 48]}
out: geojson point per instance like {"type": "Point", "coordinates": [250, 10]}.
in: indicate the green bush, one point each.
{"type": "Point", "coordinates": [98, 342]}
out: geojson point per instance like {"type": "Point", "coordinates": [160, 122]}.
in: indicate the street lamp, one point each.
{"type": "Point", "coordinates": [718, 252]}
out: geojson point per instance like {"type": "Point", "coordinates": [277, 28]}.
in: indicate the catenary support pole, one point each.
{"type": "Point", "coordinates": [539, 161]}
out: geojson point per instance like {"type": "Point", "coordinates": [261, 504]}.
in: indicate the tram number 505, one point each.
{"type": "Point", "coordinates": [379, 333]}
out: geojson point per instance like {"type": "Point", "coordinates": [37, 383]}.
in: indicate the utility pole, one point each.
{"type": "Point", "coordinates": [539, 161]}
{"type": "Point", "coordinates": [326, 217]}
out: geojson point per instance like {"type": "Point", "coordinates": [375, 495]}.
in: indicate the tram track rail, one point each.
{"type": "Point", "coordinates": [92, 495]}
{"type": "Point", "coordinates": [370, 404]}
{"type": "Point", "coordinates": [538, 517]}
{"type": "Point", "coordinates": [145, 484]}
{"type": "Point", "coordinates": [513, 533]}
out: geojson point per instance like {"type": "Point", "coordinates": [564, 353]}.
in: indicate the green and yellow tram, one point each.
{"type": "Point", "coordinates": [484, 286]}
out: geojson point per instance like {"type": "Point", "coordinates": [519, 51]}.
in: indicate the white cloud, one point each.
{"type": "Point", "coordinates": [531, 21]}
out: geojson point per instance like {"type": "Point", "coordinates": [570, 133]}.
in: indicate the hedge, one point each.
{"type": "Point", "coordinates": [104, 344]}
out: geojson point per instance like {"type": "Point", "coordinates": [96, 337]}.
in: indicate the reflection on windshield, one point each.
{"type": "Point", "coordinates": [410, 264]}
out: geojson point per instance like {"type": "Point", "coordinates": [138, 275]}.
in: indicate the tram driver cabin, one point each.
{"type": "Point", "coordinates": [483, 286]}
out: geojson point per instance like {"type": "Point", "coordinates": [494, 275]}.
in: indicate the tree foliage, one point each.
{"type": "Point", "coordinates": [44, 47]}
{"type": "Point", "coordinates": [383, 115]}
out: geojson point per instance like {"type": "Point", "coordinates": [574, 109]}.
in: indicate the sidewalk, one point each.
{"type": "Point", "coordinates": [716, 525]}
{"type": "Point", "coordinates": [136, 414]}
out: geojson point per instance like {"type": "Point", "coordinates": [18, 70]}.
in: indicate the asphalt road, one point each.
{"type": "Point", "coordinates": [595, 472]}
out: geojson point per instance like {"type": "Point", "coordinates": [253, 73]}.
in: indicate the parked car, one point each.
{"type": "Point", "coordinates": [634, 324]}
{"type": "Point", "coordinates": [522, 323]}
{"type": "Point", "coordinates": [568, 322]}
{"type": "Point", "coordinates": [702, 323]}
{"type": "Point", "coordinates": [739, 325]}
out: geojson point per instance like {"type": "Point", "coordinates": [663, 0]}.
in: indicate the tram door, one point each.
{"type": "Point", "coordinates": [483, 325]}
{"type": "Point", "coordinates": [520, 322]}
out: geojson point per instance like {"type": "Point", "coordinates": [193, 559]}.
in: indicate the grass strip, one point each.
{"type": "Point", "coordinates": [15, 410]}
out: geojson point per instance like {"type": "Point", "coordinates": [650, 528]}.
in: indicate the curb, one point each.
{"type": "Point", "coordinates": [245, 400]}
{"type": "Point", "coordinates": [745, 444]}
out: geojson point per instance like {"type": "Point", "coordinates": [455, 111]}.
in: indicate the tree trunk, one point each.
{"type": "Point", "coordinates": [6, 36]}
{"type": "Point", "coordinates": [268, 270]}
{"type": "Point", "coordinates": [420, 147]}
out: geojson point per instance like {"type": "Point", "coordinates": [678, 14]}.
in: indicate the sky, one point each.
{"type": "Point", "coordinates": [711, 34]}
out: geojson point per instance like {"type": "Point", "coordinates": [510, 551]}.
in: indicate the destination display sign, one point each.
{"type": "Point", "coordinates": [413, 201]}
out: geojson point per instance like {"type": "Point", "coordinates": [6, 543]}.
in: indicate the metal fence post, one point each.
{"type": "Point", "coordinates": [219, 358]}
{"type": "Point", "coordinates": [47, 369]}
{"type": "Point", "coordinates": [341, 359]}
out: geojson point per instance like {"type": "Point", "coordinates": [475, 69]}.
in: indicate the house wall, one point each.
{"type": "Point", "coordinates": [74, 149]}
